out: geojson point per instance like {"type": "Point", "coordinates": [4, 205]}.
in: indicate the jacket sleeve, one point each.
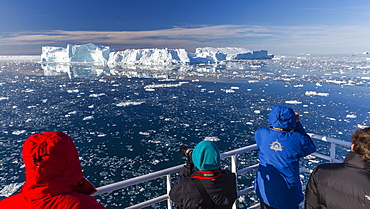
{"type": "Point", "coordinates": [178, 188]}
{"type": "Point", "coordinates": [312, 197]}
{"type": "Point", "coordinates": [299, 128]}
{"type": "Point", "coordinates": [185, 172]}
{"type": "Point", "coordinates": [307, 144]}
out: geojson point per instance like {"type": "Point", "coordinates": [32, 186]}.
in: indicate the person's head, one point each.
{"type": "Point", "coordinates": [206, 156]}
{"type": "Point", "coordinates": [52, 164]}
{"type": "Point", "coordinates": [361, 143]}
{"type": "Point", "coordinates": [282, 117]}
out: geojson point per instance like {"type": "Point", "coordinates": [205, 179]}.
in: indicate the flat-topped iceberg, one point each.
{"type": "Point", "coordinates": [213, 55]}
{"type": "Point", "coordinates": [76, 53]}
{"type": "Point", "coordinates": [149, 57]}
{"type": "Point", "coordinates": [104, 54]}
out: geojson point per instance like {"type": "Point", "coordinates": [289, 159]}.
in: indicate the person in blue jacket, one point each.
{"type": "Point", "coordinates": [280, 147]}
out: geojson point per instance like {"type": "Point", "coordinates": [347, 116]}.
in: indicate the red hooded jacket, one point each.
{"type": "Point", "coordinates": [53, 176]}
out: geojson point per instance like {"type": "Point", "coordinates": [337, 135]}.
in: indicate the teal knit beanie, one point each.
{"type": "Point", "coordinates": [206, 156]}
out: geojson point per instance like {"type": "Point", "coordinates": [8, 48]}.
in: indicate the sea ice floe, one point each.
{"type": "Point", "coordinates": [128, 103]}
{"type": "Point", "coordinates": [18, 132]}
{"type": "Point", "coordinates": [155, 162]}
{"type": "Point", "coordinates": [361, 126]}
{"type": "Point", "coordinates": [314, 93]}
{"type": "Point", "coordinates": [293, 102]}
{"type": "Point", "coordinates": [336, 81]}
{"type": "Point", "coordinates": [10, 189]}
{"type": "Point", "coordinates": [229, 91]}
{"type": "Point", "coordinates": [351, 116]}
{"type": "Point", "coordinates": [88, 117]}
{"type": "Point", "coordinates": [4, 98]}
{"type": "Point", "coordinates": [144, 133]}
{"type": "Point", "coordinates": [29, 90]}
{"type": "Point", "coordinates": [97, 95]}
{"type": "Point", "coordinates": [164, 85]}
{"type": "Point", "coordinates": [72, 113]}
{"type": "Point", "coordinates": [73, 91]}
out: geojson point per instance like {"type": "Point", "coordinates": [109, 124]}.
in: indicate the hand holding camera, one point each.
{"type": "Point", "coordinates": [187, 152]}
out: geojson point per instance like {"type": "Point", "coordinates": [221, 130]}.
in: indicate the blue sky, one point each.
{"type": "Point", "coordinates": [282, 27]}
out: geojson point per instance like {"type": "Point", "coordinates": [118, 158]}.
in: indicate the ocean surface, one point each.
{"type": "Point", "coordinates": [128, 121]}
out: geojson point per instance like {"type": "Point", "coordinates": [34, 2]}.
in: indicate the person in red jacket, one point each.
{"type": "Point", "coordinates": [53, 176]}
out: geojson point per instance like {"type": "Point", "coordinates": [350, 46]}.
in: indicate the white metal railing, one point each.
{"type": "Point", "coordinates": [230, 154]}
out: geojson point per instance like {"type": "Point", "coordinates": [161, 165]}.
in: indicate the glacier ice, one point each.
{"type": "Point", "coordinates": [211, 54]}
{"type": "Point", "coordinates": [149, 57]}
{"type": "Point", "coordinates": [92, 53]}
{"type": "Point", "coordinates": [76, 53]}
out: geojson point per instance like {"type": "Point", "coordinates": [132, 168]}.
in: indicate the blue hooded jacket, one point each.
{"type": "Point", "coordinates": [280, 146]}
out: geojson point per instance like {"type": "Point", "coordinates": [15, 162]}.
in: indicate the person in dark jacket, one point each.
{"type": "Point", "coordinates": [53, 176]}
{"type": "Point", "coordinates": [343, 185]}
{"type": "Point", "coordinates": [219, 184]}
{"type": "Point", "coordinates": [280, 146]}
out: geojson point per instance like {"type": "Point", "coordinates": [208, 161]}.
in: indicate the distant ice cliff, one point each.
{"type": "Point", "coordinates": [103, 54]}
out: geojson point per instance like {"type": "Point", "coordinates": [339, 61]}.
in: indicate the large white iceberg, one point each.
{"type": "Point", "coordinates": [213, 55]}
{"type": "Point", "coordinates": [149, 57]}
{"type": "Point", "coordinates": [76, 53]}
{"type": "Point", "coordinates": [162, 57]}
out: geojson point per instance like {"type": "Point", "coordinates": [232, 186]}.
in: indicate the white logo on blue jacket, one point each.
{"type": "Point", "coordinates": [276, 146]}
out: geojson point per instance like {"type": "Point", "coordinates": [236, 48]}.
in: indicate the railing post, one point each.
{"type": "Point", "coordinates": [233, 164]}
{"type": "Point", "coordinates": [168, 182]}
{"type": "Point", "coordinates": [332, 152]}
{"type": "Point", "coordinates": [234, 169]}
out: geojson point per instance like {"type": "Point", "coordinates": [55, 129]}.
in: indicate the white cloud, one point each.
{"type": "Point", "coordinates": [281, 39]}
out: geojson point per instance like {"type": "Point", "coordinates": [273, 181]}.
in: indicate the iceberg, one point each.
{"type": "Point", "coordinates": [92, 53]}
{"type": "Point", "coordinates": [149, 57]}
{"type": "Point", "coordinates": [214, 55]}
{"type": "Point", "coordinates": [76, 53]}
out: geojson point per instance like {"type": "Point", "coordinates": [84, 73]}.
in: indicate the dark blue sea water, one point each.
{"type": "Point", "coordinates": [128, 122]}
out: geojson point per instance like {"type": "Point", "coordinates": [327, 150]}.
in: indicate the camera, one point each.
{"type": "Point", "coordinates": [186, 151]}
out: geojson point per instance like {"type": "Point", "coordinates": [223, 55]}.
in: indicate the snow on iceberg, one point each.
{"type": "Point", "coordinates": [92, 53]}
{"type": "Point", "coordinates": [76, 53]}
